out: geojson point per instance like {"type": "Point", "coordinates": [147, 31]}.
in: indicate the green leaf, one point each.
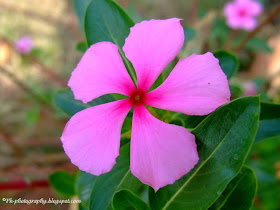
{"type": "Point", "coordinates": [257, 44]}
{"type": "Point", "coordinates": [107, 21]}
{"type": "Point", "coordinates": [63, 182]}
{"type": "Point", "coordinates": [189, 33]}
{"type": "Point", "coordinates": [236, 90]}
{"type": "Point", "coordinates": [269, 126]}
{"type": "Point", "coordinates": [84, 186]}
{"type": "Point", "coordinates": [82, 47]}
{"type": "Point", "coordinates": [64, 99]}
{"type": "Point", "coordinates": [125, 199]}
{"type": "Point", "coordinates": [264, 159]}
{"type": "Point", "coordinates": [177, 121]}
{"type": "Point", "coordinates": [240, 192]}
{"type": "Point", "coordinates": [223, 139]}
{"type": "Point", "coordinates": [192, 121]}
{"type": "Point", "coordinates": [32, 115]}
{"type": "Point", "coordinates": [119, 178]}
{"type": "Point", "coordinates": [228, 62]}
{"type": "Point", "coordinates": [80, 7]}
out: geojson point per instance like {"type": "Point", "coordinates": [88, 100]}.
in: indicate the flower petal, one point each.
{"type": "Point", "coordinates": [249, 23]}
{"type": "Point", "coordinates": [233, 19]}
{"type": "Point", "coordinates": [230, 9]}
{"type": "Point", "coordinates": [91, 138]}
{"type": "Point", "coordinates": [151, 46]}
{"type": "Point", "coordinates": [252, 7]}
{"type": "Point", "coordinates": [196, 86]}
{"type": "Point", "coordinates": [160, 153]}
{"type": "Point", "coordinates": [100, 71]}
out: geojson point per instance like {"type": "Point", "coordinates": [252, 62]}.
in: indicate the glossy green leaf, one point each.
{"type": "Point", "coordinates": [269, 126]}
{"type": "Point", "coordinates": [264, 159]}
{"type": "Point", "coordinates": [192, 121]}
{"type": "Point", "coordinates": [228, 62]}
{"type": "Point", "coordinates": [80, 9]}
{"type": "Point", "coordinates": [107, 21]}
{"type": "Point", "coordinates": [177, 121]}
{"type": "Point", "coordinates": [236, 90]}
{"type": "Point", "coordinates": [125, 199]}
{"type": "Point", "coordinates": [268, 185]}
{"type": "Point", "coordinates": [240, 192]}
{"type": "Point", "coordinates": [63, 182]}
{"type": "Point", "coordinates": [258, 44]}
{"type": "Point", "coordinates": [223, 140]}
{"type": "Point", "coordinates": [84, 185]}
{"type": "Point", "coordinates": [64, 99]}
{"type": "Point", "coordinates": [119, 178]}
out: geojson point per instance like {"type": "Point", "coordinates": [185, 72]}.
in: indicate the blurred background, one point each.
{"type": "Point", "coordinates": [31, 125]}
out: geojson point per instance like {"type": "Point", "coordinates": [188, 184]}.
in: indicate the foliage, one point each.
{"type": "Point", "coordinates": [63, 182]}
{"type": "Point", "coordinates": [224, 138]}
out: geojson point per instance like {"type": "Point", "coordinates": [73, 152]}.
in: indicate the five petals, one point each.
{"type": "Point", "coordinates": [161, 153]}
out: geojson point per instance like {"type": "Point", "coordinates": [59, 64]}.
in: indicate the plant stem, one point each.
{"type": "Point", "coordinates": [228, 43]}
{"type": "Point", "coordinates": [193, 11]}
{"type": "Point", "coordinates": [267, 20]}
{"type": "Point", "coordinates": [39, 65]}
{"type": "Point", "coordinates": [10, 141]}
{"type": "Point", "coordinates": [24, 87]}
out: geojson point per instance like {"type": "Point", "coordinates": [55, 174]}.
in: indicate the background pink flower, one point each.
{"type": "Point", "coordinates": [242, 14]}
{"type": "Point", "coordinates": [24, 45]}
{"type": "Point", "coordinates": [250, 89]}
{"type": "Point", "coordinates": [161, 153]}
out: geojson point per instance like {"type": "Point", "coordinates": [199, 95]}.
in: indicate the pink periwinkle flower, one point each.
{"type": "Point", "coordinates": [250, 89]}
{"type": "Point", "coordinates": [161, 153]}
{"type": "Point", "coordinates": [24, 45]}
{"type": "Point", "coordinates": [242, 14]}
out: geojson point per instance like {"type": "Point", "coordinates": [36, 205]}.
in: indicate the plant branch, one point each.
{"type": "Point", "coordinates": [24, 87]}
{"type": "Point", "coordinates": [267, 20]}
{"type": "Point", "coordinates": [193, 11]}
{"type": "Point", "coordinates": [38, 65]}
{"type": "Point", "coordinates": [10, 141]}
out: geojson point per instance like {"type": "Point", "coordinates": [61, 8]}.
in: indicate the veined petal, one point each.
{"type": "Point", "coordinates": [151, 46]}
{"type": "Point", "coordinates": [91, 138]}
{"type": "Point", "coordinates": [100, 71]}
{"type": "Point", "coordinates": [196, 86]}
{"type": "Point", "coordinates": [160, 153]}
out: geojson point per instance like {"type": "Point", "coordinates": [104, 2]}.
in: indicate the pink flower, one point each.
{"type": "Point", "coordinates": [250, 89]}
{"type": "Point", "coordinates": [241, 14]}
{"type": "Point", "coordinates": [24, 45]}
{"type": "Point", "coordinates": [161, 153]}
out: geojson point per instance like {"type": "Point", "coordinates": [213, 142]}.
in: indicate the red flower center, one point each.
{"type": "Point", "coordinates": [242, 12]}
{"type": "Point", "coordinates": [137, 97]}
